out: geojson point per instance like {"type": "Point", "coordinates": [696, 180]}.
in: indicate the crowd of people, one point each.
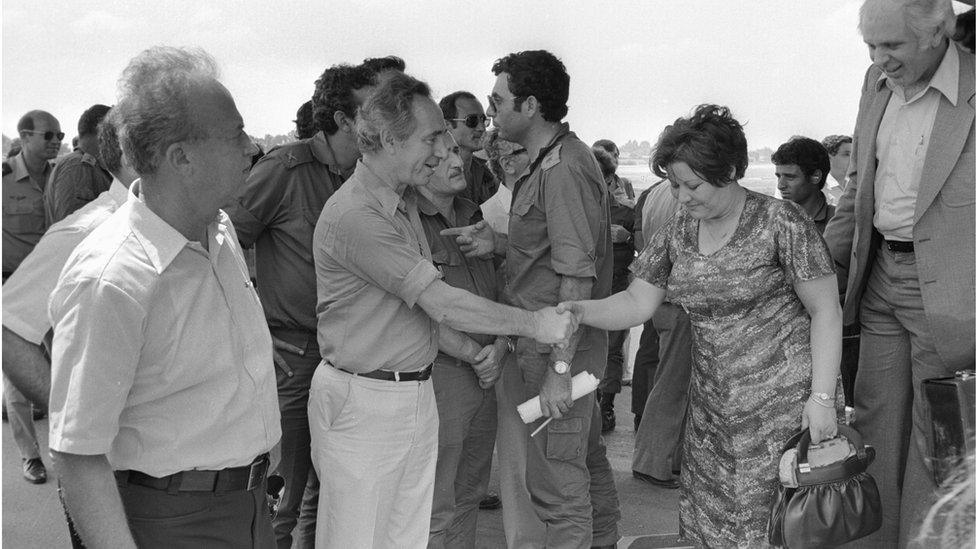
{"type": "Point", "coordinates": [325, 344]}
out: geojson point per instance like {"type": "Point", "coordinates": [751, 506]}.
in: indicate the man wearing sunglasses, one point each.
{"type": "Point", "coordinates": [80, 176]}
{"type": "Point", "coordinates": [466, 122]}
{"type": "Point", "coordinates": [24, 179]}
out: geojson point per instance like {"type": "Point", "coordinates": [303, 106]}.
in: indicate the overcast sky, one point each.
{"type": "Point", "coordinates": [784, 67]}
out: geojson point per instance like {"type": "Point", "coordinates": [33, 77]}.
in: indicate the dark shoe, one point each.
{"type": "Point", "coordinates": [34, 471]}
{"type": "Point", "coordinates": [668, 484]}
{"type": "Point", "coordinates": [490, 502]}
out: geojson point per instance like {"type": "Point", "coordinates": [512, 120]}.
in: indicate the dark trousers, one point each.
{"type": "Point", "coordinates": [301, 354]}
{"type": "Point", "coordinates": [657, 445]}
{"type": "Point", "coordinates": [159, 519]}
{"type": "Point", "coordinates": [613, 375]}
{"type": "Point", "coordinates": [646, 361]}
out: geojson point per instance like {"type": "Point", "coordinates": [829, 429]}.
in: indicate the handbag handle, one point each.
{"type": "Point", "coordinates": [803, 446]}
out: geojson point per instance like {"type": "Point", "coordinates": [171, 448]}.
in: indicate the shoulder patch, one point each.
{"type": "Point", "coordinates": [7, 170]}
{"type": "Point", "coordinates": [295, 155]}
{"type": "Point", "coordinates": [88, 159]}
{"type": "Point", "coordinates": [552, 158]}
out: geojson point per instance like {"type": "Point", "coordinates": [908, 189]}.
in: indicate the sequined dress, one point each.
{"type": "Point", "coordinates": [752, 362]}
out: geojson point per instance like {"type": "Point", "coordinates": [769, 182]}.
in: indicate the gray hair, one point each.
{"type": "Point", "coordinates": [389, 109]}
{"type": "Point", "coordinates": [108, 142]}
{"type": "Point", "coordinates": [155, 102]}
{"type": "Point", "coordinates": [924, 17]}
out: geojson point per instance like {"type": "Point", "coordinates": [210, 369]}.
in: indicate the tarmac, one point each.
{"type": "Point", "coordinates": [32, 516]}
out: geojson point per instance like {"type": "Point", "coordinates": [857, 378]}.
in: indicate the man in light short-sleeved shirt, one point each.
{"type": "Point", "coordinates": [383, 313]}
{"type": "Point", "coordinates": [163, 400]}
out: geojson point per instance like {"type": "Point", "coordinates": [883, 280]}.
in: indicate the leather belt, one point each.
{"type": "Point", "coordinates": [900, 246]}
{"type": "Point", "coordinates": [232, 479]}
{"type": "Point", "coordinates": [387, 375]}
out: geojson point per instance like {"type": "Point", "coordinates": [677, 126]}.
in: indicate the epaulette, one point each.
{"type": "Point", "coordinates": [552, 158]}
{"type": "Point", "coordinates": [296, 154]}
{"type": "Point", "coordinates": [7, 169]}
{"type": "Point", "coordinates": [88, 159]}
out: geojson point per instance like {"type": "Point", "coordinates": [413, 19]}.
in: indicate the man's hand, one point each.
{"type": "Point", "coordinates": [554, 327]}
{"type": "Point", "coordinates": [571, 307]}
{"type": "Point", "coordinates": [487, 366]}
{"type": "Point", "coordinates": [556, 393]}
{"type": "Point", "coordinates": [474, 240]}
{"type": "Point", "coordinates": [618, 234]}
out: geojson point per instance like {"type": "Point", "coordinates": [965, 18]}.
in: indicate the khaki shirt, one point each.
{"type": "Point", "coordinates": [282, 199]}
{"type": "Point", "coordinates": [77, 179]}
{"type": "Point", "coordinates": [23, 211]}
{"type": "Point", "coordinates": [372, 262]}
{"type": "Point", "coordinates": [559, 226]}
{"type": "Point", "coordinates": [482, 185]}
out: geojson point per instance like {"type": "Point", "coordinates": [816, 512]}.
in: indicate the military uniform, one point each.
{"type": "Point", "coordinates": [482, 185]}
{"type": "Point", "coordinates": [23, 212]}
{"type": "Point", "coordinates": [77, 179]}
{"type": "Point", "coordinates": [282, 199]}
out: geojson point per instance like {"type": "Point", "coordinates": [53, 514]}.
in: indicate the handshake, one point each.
{"type": "Point", "coordinates": [555, 325]}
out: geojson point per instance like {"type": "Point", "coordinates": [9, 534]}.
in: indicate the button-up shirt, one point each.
{"type": "Point", "coordinates": [23, 211]}
{"type": "Point", "coordinates": [77, 179]}
{"type": "Point", "coordinates": [282, 199]}
{"type": "Point", "coordinates": [474, 274]}
{"type": "Point", "coordinates": [559, 227]}
{"type": "Point", "coordinates": [902, 144]}
{"type": "Point", "coordinates": [371, 265]}
{"type": "Point", "coordinates": [161, 356]}
{"type": "Point", "coordinates": [26, 292]}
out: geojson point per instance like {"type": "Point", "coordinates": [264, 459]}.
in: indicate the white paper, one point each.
{"type": "Point", "coordinates": [584, 383]}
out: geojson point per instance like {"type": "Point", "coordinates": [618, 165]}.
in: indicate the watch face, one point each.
{"type": "Point", "coordinates": [561, 367]}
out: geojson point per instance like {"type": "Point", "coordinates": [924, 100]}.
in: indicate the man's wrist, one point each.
{"type": "Point", "coordinates": [560, 367]}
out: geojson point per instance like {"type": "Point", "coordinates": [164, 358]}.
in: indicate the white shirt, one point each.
{"type": "Point", "coordinates": [26, 292]}
{"type": "Point", "coordinates": [902, 144]}
{"type": "Point", "coordinates": [832, 190]}
{"type": "Point", "coordinates": [161, 356]}
{"type": "Point", "coordinates": [496, 209]}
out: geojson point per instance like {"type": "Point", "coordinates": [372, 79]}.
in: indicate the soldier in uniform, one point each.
{"type": "Point", "coordinates": [80, 176]}
{"type": "Point", "coordinates": [466, 121]}
{"type": "Point", "coordinates": [24, 177]}
{"type": "Point", "coordinates": [277, 211]}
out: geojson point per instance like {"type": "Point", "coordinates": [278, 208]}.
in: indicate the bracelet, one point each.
{"type": "Point", "coordinates": [815, 397]}
{"type": "Point", "coordinates": [823, 396]}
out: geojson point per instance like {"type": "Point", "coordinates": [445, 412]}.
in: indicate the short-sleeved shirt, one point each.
{"type": "Point", "coordinates": [559, 226]}
{"type": "Point", "coordinates": [371, 265]}
{"type": "Point", "coordinates": [161, 356]}
{"type": "Point", "coordinates": [23, 211]}
{"type": "Point", "coordinates": [481, 183]}
{"type": "Point", "coordinates": [474, 274]}
{"type": "Point", "coordinates": [282, 199]}
{"type": "Point", "coordinates": [77, 179]}
{"type": "Point", "coordinates": [26, 292]}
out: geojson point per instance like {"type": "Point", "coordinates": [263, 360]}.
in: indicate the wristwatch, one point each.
{"type": "Point", "coordinates": [560, 367]}
{"type": "Point", "coordinates": [822, 396]}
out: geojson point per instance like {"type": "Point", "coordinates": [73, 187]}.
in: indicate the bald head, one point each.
{"type": "Point", "coordinates": [40, 133]}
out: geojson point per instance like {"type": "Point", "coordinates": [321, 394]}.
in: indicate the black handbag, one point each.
{"type": "Point", "coordinates": [830, 504]}
{"type": "Point", "coordinates": [952, 411]}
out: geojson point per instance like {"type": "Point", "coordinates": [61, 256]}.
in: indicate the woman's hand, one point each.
{"type": "Point", "coordinates": [821, 420]}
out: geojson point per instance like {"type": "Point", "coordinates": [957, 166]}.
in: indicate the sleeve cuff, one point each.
{"type": "Point", "coordinates": [24, 329]}
{"type": "Point", "coordinates": [416, 281]}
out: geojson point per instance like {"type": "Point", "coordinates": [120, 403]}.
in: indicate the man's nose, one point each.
{"type": "Point", "coordinates": [440, 147]}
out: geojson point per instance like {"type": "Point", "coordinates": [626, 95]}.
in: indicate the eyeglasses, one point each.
{"type": "Point", "coordinates": [471, 120]}
{"type": "Point", "coordinates": [48, 135]}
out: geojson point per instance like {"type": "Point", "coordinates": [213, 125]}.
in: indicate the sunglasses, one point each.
{"type": "Point", "coordinates": [471, 120]}
{"type": "Point", "coordinates": [48, 135]}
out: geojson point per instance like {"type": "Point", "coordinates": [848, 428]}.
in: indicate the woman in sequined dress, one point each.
{"type": "Point", "coordinates": [757, 281]}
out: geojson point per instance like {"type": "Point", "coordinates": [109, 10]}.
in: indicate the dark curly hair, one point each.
{"type": "Point", "coordinates": [376, 65]}
{"type": "Point", "coordinates": [304, 123]}
{"type": "Point", "coordinates": [711, 142]}
{"type": "Point", "coordinates": [806, 153]}
{"type": "Point", "coordinates": [109, 150]}
{"type": "Point", "coordinates": [540, 74]}
{"type": "Point", "coordinates": [334, 93]}
{"type": "Point", "coordinates": [91, 118]}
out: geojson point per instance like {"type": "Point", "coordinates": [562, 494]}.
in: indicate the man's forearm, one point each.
{"type": "Point", "coordinates": [467, 312]}
{"type": "Point", "coordinates": [27, 367]}
{"type": "Point", "coordinates": [572, 289]}
{"type": "Point", "coordinates": [92, 500]}
{"type": "Point", "coordinates": [457, 344]}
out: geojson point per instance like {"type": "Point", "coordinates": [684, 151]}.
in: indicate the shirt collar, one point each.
{"type": "Point", "coordinates": [322, 151]}
{"type": "Point", "coordinates": [379, 187]}
{"type": "Point", "coordinates": [464, 209]}
{"type": "Point", "coordinates": [19, 166]}
{"type": "Point", "coordinates": [945, 79]}
{"type": "Point", "coordinates": [821, 212]}
{"type": "Point", "coordinates": [117, 192]}
{"type": "Point", "coordinates": [159, 239]}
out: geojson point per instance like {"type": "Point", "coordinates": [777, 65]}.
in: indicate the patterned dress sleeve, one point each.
{"type": "Point", "coordinates": [800, 248]}
{"type": "Point", "coordinates": [654, 263]}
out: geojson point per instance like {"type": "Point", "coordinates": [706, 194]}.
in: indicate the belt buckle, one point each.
{"type": "Point", "coordinates": [396, 375]}
{"type": "Point", "coordinates": [255, 473]}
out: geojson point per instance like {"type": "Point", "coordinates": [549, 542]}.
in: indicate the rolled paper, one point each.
{"type": "Point", "coordinates": [584, 383]}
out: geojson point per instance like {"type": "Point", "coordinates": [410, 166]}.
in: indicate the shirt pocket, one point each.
{"type": "Point", "coordinates": [23, 214]}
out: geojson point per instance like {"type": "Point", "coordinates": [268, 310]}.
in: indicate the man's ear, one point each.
{"type": "Point", "coordinates": [389, 142]}
{"type": "Point", "coordinates": [530, 106]}
{"type": "Point", "coordinates": [342, 121]}
{"type": "Point", "coordinates": [818, 176]}
{"type": "Point", "coordinates": [178, 158]}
